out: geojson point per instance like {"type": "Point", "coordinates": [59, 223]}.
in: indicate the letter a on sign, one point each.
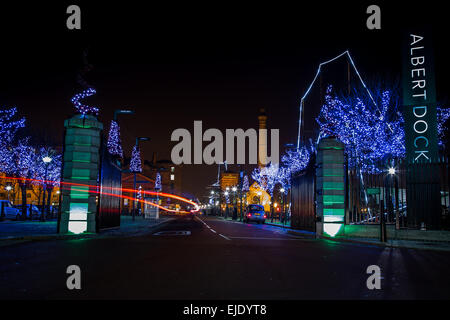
{"type": "Point", "coordinates": [74, 280]}
{"type": "Point", "coordinates": [374, 281]}
{"type": "Point", "coordinates": [74, 20]}
{"type": "Point", "coordinates": [374, 20]}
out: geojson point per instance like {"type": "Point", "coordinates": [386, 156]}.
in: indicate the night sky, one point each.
{"type": "Point", "coordinates": [217, 62]}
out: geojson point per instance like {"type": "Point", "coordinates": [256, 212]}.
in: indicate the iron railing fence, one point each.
{"type": "Point", "coordinates": [369, 194]}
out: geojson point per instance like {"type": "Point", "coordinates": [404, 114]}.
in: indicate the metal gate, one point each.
{"type": "Point", "coordinates": [303, 208]}
{"type": "Point", "coordinates": [110, 185]}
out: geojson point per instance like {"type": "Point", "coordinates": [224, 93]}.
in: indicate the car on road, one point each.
{"type": "Point", "coordinates": [255, 212]}
{"type": "Point", "coordinates": [34, 209]}
{"type": "Point", "coordinates": [10, 212]}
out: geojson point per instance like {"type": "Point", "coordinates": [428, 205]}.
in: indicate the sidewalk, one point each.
{"type": "Point", "coordinates": [391, 243]}
{"type": "Point", "coordinates": [36, 230]}
{"type": "Point", "coordinates": [275, 223]}
{"type": "Point", "coordinates": [407, 244]}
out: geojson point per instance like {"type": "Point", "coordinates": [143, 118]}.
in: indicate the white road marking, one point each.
{"type": "Point", "coordinates": [259, 238]}
{"type": "Point", "coordinates": [225, 237]}
{"type": "Point", "coordinates": [172, 233]}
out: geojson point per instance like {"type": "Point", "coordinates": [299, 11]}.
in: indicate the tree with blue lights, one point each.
{"type": "Point", "coordinates": [296, 160]}
{"type": "Point", "coordinates": [114, 143]}
{"type": "Point", "coordinates": [158, 185]}
{"type": "Point", "coordinates": [135, 163]}
{"type": "Point", "coordinates": [22, 166]}
{"type": "Point", "coordinates": [47, 174]}
{"type": "Point", "coordinates": [9, 126]}
{"type": "Point", "coordinates": [443, 114]}
{"type": "Point", "coordinates": [267, 177]}
{"type": "Point", "coordinates": [369, 135]}
{"type": "Point", "coordinates": [245, 184]}
{"type": "Point", "coordinates": [84, 109]}
{"type": "Point", "coordinates": [87, 91]}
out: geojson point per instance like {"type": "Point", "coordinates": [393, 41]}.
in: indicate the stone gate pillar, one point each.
{"type": "Point", "coordinates": [81, 166]}
{"type": "Point", "coordinates": [330, 187]}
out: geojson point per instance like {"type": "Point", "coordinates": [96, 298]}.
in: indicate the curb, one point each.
{"type": "Point", "coordinates": [378, 244]}
{"type": "Point", "coordinates": [355, 241]}
{"type": "Point", "coordinates": [80, 236]}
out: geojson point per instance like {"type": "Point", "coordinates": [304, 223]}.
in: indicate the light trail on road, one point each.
{"type": "Point", "coordinates": [96, 187]}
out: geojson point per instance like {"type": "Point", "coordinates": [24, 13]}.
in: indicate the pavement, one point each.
{"type": "Point", "coordinates": [13, 231]}
{"type": "Point", "coordinates": [210, 258]}
{"type": "Point", "coordinates": [421, 244]}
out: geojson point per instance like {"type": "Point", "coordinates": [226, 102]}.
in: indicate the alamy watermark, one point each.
{"type": "Point", "coordinates": [74, 280]}
{"type": "Point", "coordinates": [374, 280]}
{"type": "Point", "coordinates": [213, 153]}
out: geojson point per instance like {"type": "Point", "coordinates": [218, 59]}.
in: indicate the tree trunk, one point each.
{"type": "Point", "coordinates": [271, 208]}
{"type": "Point", "coordinates": [23, 187]}
{"type": "Point", "coordinates": [49, 198]}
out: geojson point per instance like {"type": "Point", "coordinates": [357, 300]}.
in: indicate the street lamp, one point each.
{"type": "Point", "coordinates": [120, 111]}
{"type": "Point", "coordinates": [2, 214]}
{"type": "Point", "coordinates": [234, 201]}
{"type": "Point", "coordinates": [46, 161]}
{"type": "Point", "coordinates": [134, 180]}
{"type": "Point", "coordinates": [8, 188]}
{"type": "Point", "coordinates": [283, 207]}
{"type": "Point", "coordinates": [393, 184]}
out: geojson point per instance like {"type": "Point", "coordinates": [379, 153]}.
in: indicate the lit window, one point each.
{"type": "Point", "coordinates": [172, 177]}
{"type": "Point", "coordinates": [172, 169]}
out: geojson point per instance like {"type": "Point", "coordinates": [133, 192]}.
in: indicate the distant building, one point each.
{"type": "Point", "coordinates": [171, 177]}
{"type": "Point", "coordinates": [143, 183]}
{"type": "Point", "coordinates": [256, 195]}
{"type": "Point", "coordinates": [34, 192]}
{"type": "Point", "coordinates": [262, 139]}
{"type": "Point", "coordinates": [228, 179]}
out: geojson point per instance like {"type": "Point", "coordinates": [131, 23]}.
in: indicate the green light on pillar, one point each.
{"type": "Point", "coordinates": [332, 229]}
{"type": "Point", "coordinates": [77, 227]}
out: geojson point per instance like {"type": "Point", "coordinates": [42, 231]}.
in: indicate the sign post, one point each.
{"type": "Point", "coordinates": [419, 110]}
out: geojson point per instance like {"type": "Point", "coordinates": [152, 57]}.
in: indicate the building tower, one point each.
{"type": "Point", "coordinates": [262, 138]}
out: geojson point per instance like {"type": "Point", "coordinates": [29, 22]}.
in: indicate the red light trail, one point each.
{"type": "Point", "coordinates": [162, 194]}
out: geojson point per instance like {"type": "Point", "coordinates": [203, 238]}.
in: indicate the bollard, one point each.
{"type": "Point", "coordinates": [382, 223]}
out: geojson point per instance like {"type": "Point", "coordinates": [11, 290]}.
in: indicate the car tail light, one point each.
{"type": "Point", "coordinates": [265, 217]}
{"type": "Point", "coordinates": [249, 215]}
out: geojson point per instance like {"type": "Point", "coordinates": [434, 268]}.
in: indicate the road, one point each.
{"type": "Point", "coordinates": [219, 260]}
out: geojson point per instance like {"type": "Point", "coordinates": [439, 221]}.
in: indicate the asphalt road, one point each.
{"type": "Point", "coordinates": [219, 260]}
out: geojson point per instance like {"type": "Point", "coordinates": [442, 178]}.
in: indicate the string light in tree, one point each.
{"type": "Point", "coordinates": [227, 197]}
{"type": "Point", "coordinates": [139, 193]}
{"type": "Point", "coordinates": [135, 163]}
{"type": "Point", "coordinates": [369, 136]}
{"type": "Point", "coordinates": [158, 185]}
{"type": "Point", "coordinates": [443, 114]}
{"type": "Point", "coordinates": [114, 142]}
{"type": "Point", "coordinates": [23, 159]}
{"type": "Point", "coordinates": [295, 160]}
{"type": "Point", "coordinates": [284, 177]}
{"type": "Point", "coordinates": [51, 172]}
{"type": "Point", "coordinates": [9, 125]}
{"type": "Point", "coordinates": [245, 184]}
{"type": "Point", "coordinates": [319, 70]}
{"type": "Point", "coordinates": [267, 177]}
{"type": "Point", "coordinates": [83, 108]}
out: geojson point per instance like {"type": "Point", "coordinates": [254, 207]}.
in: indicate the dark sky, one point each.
{"type": "Point", "coordinates": [175, 63]}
